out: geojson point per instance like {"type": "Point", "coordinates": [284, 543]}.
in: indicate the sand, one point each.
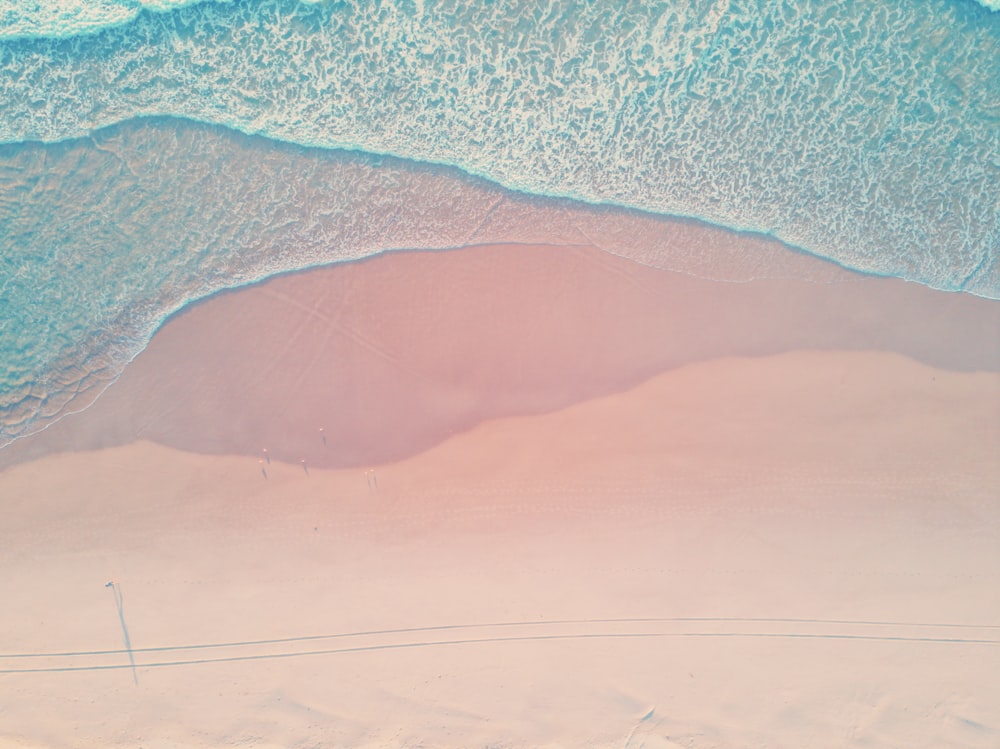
{"type": "Point", "coordinates": [392, 355]}
{"type": "Point", "coordinates": [767, 516]}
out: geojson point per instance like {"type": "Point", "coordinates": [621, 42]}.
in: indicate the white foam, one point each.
{"type": "Point", "coordinates": [60, 19]}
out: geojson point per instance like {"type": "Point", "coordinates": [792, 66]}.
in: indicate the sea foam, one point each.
{"type": "Point", "coordinates": [59, 19]}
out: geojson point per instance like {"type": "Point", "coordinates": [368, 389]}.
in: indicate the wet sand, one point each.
{"type": "Point", "coordinates": [391, 355]}
{"type": "Point", "coordinates": [564, 500]}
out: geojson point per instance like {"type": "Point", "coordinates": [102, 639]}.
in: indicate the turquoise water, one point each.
{"type": "Point", "coordinates": [65, 18]}
{"type": "Point", "coordinates": [864, 132]}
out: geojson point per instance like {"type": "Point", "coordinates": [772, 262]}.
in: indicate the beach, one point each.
{"type": "Point", "coordinates": [519, 496]}
{"type": "Point", "coordinates": [405, 375]}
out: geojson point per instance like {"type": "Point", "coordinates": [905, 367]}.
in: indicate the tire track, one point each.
{"type": "Point", "coordinates": [524, 631]}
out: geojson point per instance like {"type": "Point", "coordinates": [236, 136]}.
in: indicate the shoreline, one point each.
{"type": "Point", "coordinates": [398, 342]}
{"type": "Point", "coordinates": [435, 207]}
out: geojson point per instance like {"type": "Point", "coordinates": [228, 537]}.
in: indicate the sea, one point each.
{"type": "Point", "coordinates": [154, 152]}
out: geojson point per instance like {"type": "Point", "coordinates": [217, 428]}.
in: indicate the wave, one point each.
{"type": "Point", "coordinates": [865, 136]}
{"type": "Point", "coordinates": [60, 19]}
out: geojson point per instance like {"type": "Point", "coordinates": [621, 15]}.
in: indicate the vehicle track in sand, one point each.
{"type": "Point", "coordinates": [926, 633]}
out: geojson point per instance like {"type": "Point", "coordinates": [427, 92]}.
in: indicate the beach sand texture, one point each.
{"type": "Point", "coordinates": [558, 499]}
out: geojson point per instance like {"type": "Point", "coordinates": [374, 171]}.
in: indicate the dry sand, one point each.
{"type": "Point", "coordinates": [671, 526]}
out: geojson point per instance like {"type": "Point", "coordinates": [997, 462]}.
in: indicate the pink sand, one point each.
{"type": "Point", "coordinates": [671, 526]}
{"type": "Point", "coordinates": [391, 355]}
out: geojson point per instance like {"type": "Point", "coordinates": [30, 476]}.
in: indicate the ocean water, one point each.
{"type": "Point", "coordinates": [866, 132]}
